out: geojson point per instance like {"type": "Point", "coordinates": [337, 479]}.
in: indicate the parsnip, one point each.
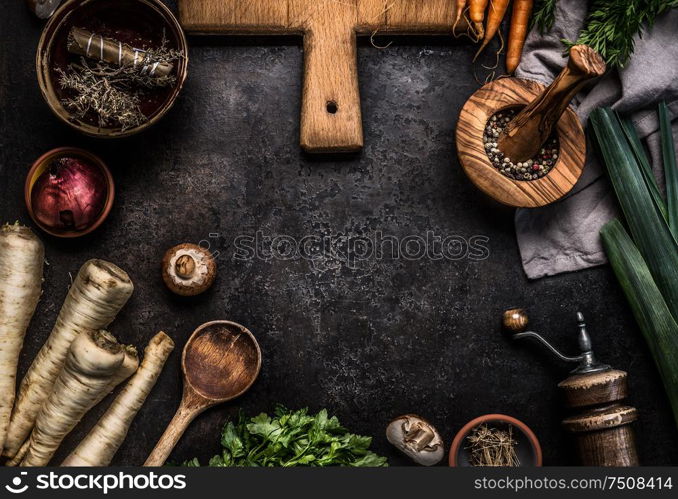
{"type": "Point", "coordinates": [99, 292]}
{"type": "Point", "coordinates": [101, 444]}
{"type": "Point", "coordinates": [93, 359]}
{"type": "Point", "coordinates": [129, 366]}
{"type": "Point", "coordinates": [21, 260]}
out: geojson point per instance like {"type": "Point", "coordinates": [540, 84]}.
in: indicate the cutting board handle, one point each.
{"type": "Point", "coordinates": [330, 110]}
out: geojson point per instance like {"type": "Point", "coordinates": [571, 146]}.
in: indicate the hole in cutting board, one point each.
{"type": "Point", "coordinates": [332, 107]}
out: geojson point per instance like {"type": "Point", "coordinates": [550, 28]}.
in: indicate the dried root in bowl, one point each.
{"type": "Point", "coordinates": [492, 447]}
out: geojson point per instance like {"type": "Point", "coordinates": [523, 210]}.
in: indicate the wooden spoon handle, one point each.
{"type": "Point", "coordinates": [173, 433]}
{"type": "Point", "coordinates": [527, 132]}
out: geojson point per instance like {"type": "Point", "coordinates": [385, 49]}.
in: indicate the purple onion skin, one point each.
{"type": "Point", "coordinates": [69, 195]}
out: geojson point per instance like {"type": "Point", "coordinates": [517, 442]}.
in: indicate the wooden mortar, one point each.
{"type": "Point", "coordinates": [545, 109]}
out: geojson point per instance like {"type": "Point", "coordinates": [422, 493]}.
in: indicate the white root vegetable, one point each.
{"type": "Point", "coordinates": [101, 444]}
{"type": "Point", "coordinates": [96, 296]}
{"type": "Point", "coordinates": [21, 260]}
{"type": "Point", "coordinates": [129, 366]}
{"type": "Point", "coordinates": [93, 359]}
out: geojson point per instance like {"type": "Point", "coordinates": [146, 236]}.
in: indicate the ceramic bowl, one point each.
{"type": "Point", "coordinates": [137, 22]}
{"type": "Point", "coordinates": [528, 448]}
{"type": "Point", "coordinates": [43, 162]}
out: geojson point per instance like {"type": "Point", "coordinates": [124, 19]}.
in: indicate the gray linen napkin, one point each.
{"type": "Point", "coordinates": [564, 236]}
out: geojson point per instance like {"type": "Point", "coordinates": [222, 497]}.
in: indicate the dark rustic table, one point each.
{"type": "Point", "coordinates": [369, 338]}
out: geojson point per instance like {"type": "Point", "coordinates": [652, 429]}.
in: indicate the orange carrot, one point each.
{"type": "Point", "coordinates": [461, 5]}
{"type": "Point", "coordinates": [520, 19]}
{"type": "Point", "coordinates": [495, 14]}
{"type": "Point", "coordinates": [476, 10]}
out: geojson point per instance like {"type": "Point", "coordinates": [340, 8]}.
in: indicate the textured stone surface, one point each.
{"type": "Point", "coordinates": [369, 340]}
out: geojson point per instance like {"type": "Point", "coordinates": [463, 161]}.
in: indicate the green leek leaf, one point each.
{"type": "Point", "coordinates": [648, 228]}
{"type": "Point", "coordinates": [670, 170]}
{"type": "Point", "coordinates": [646, 169]}
{"type": "Point", "coordinates": [647, 304]}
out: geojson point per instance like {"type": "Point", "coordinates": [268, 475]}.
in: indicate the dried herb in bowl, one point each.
{"type": "Point", "coordinates": [490, 446]}
{"type": "Point", "coordinates": [111, 78]}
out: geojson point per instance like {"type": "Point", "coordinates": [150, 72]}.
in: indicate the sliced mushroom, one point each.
{"type": "Point", "coordinates": [417, 439]}
{"type": "Point", "coordinates": [188, 269]}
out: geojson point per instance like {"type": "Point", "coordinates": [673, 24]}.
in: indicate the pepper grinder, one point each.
{"type": "Point", "coordinates": [594, 392]}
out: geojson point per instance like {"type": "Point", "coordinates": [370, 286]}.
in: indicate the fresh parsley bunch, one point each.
{"type": "Point", "coordinates": [292, 438]}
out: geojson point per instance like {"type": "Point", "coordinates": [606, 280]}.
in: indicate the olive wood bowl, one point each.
{"type": "Point", "coordinates": [507, 93]}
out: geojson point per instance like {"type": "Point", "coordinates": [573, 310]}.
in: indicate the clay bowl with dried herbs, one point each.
{"type": "Point", "coordinates": [101, 98]}
{"type": "Point", "coordinates": [495, 440]}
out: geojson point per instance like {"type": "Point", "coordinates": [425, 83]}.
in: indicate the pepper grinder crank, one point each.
{"type": "Point", "coordinates": [602, 424]}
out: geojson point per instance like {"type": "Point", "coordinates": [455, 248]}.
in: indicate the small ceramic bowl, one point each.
{"type": "Point", "coordinates": [528, 448]}
{"type": "Point", "coordinates": [43, 162]}
{"type": "Point", "coordinates": [137, 22]}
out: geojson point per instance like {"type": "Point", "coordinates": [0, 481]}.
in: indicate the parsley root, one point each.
{"type": "Point", "coordinates": [96, 296]}
{"type": "Point", "coordinates": [129, 366]}
{"type": "Point", "coordinates": [21, 260]}
{"type": "Point", "coordinates": [93, 359]}
{"type": "Point", "coordinates": [101, 444]}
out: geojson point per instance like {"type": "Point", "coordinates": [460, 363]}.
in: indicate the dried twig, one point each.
{"type": "Point", "coordinates": [110, 93]}
{"type": "Point", "coordinates": [492, 447]}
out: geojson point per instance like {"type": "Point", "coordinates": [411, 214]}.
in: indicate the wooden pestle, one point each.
{"type": "Point", "coordinates": [527, 132]}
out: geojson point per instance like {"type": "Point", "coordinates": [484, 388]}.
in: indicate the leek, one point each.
{"type": "Point", "coordinates": [670, 171]}
{"type": "Point", "coordinates": [648, 228]}
{"type": "Point", "coordinates": [646, 261]}
{"type": "Point", "coordinates": [647, 304]}
{"type": "Point", "coordinates": [646, 170]}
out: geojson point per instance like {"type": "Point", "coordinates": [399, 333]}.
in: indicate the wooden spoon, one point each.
{"type": "Point", "coordinates": [220, 362]}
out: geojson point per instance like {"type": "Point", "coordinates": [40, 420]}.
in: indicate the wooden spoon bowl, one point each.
{"type": "Point", "coordinates": [507, 93]}
{"type": "Point", "coordinates": [221, 361]}
{"type": "Point", "coordinates": [233, 352]}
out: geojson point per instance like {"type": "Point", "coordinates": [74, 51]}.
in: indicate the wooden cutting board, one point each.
{"type": "Point", "coordinates": [330, 111]}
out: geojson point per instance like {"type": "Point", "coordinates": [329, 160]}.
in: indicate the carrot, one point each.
{"type": "Point", "coordinates": [460, 6]}
{"type": "Point", "coordinates": [101, 444]}
{"type": "Point", "coordinates": [93, 359]}
{"type": "Point", "coordinates": [476, 11]}
{"type": "Point", "coordinates": [495, 15]}
{"type": "Point", "coordinates": [520, 19]}
{"type": "Point", "coordinates": [21, 260]}
{"type": "Point", "coordinates": [96, 296]}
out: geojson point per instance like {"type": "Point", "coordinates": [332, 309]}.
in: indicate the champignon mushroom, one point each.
{"type": "Point", "coordinates": [417, 439]}
{"type": "Point", "coordinates": [43, 8]}
{"type": "Point", "coordinates": [188, 269]}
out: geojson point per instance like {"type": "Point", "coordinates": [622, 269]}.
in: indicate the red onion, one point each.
{"type": "Point", "coordinates": [69, 195]}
